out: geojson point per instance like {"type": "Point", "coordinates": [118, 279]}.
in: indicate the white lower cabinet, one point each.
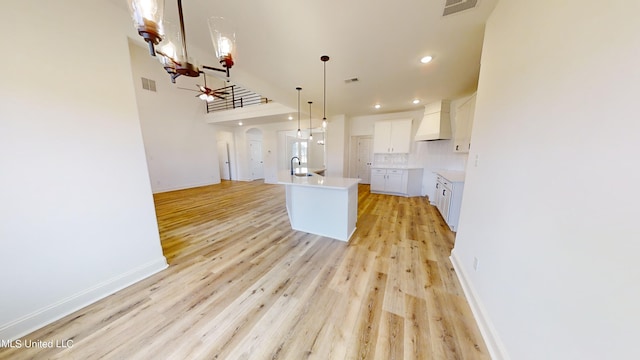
{"type": "Point", "coordinates": [395, 182]}
{"type": "Point", "coordinates": [405, 182]}
{"type": "Point", "coordinates": [448, 197]}
{"type": "Point", "coordinates": [378, 180]}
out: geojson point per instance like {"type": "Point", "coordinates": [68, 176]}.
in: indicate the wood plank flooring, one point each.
{"type": "Point", "coordinates": [242, 285]}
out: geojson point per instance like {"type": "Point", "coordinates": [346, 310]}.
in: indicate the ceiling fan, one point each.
{"type": "Point", "coordinates": [206, 93]}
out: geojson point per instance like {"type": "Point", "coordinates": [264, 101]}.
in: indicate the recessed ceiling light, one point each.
{"type": "Point", "coordinates": [426, 59]}
{"type": "Point", "coordinates": [290, 117]}
{"type": "Point", "coordinates": [240, 123]}
{"type": "Point", "coordinates": [416, 101]}
{"type": "Point", "coordinates": [377, 106]}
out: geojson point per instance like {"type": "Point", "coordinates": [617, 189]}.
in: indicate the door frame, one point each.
{"type": "Point", "coordinates": [353, 154]}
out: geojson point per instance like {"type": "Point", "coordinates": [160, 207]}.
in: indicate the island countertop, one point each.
{"type": "Point", "coordinates": [321, 205]}
{"type": "Point", "coordinates": [315, 180]}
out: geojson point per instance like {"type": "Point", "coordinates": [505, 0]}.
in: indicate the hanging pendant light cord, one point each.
{"type": "Point", "coordinates": [324, 59]}
{"type": "Point", "coordinates": [298, 88]}
{"type": "Point", "coordinates": [324, 95]}
{"type": "Point", "coordinates": [310, 131]}
{"type": "Point", "coordinates": [182, 32]}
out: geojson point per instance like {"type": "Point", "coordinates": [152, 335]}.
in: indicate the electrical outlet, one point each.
{"type": "Point", "coordinates": [475, 164]}
{"type": "Point", "coordinates": [475, 263]}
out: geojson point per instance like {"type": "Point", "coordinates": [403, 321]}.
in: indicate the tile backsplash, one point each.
{"type": "Point", "coordinates": [391, 160]}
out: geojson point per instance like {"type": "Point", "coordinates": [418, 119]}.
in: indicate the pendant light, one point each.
{"type": "Point", "coordinates": [299, 132]}
{"type": "Point", "coordinates": [310, 133]}
{"type": "Point", "coordinates": [324, 59]}
{"type": "Point", "coordinates": [148, 19]}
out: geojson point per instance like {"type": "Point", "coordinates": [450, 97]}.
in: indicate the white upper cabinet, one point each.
{"type": "Point", "coordinates": [464, 122]}
{"type": "Point", "coordinates": [392, 137]}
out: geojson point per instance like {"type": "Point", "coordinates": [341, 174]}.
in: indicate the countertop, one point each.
{"type": "Point", "coordinates": [451, 175]}
{"type": "Point", "coordinates": [315, 180]}
{"type": "Point", "coordinates": [396, 167]}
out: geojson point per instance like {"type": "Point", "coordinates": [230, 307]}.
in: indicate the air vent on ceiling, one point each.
{"type": "Point", "coordinates": [455, 6]}
{"type": "Point", "coordinates": [351, 80]}
{"type": "Point", "coordinates": [148, 84]}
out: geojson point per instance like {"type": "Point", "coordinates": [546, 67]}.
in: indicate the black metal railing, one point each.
{"type": "Point", "coordinates": [235, 97]}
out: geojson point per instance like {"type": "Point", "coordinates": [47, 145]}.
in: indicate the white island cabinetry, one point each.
{"type": "Point", "coordinates": [326, 206]}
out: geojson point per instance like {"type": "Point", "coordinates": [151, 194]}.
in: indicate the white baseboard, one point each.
{"type": "Point", "coordinates": [64, 307]}
{"type": "Point", "coordinates": [182, 187]}
{"type": "Point", "coordinates": [489, 334]}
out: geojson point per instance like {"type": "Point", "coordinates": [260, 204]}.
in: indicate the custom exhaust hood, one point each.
{"type": "Point", "coordinates": [436, 123]}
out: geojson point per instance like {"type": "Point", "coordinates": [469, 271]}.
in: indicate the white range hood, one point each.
{"type": "Point", "coordinates": [436, 123]}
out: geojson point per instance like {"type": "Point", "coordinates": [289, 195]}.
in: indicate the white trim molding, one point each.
{"type": "Point", "coordinates": [496, 348]}
{"type": "Point", "coordinates": [44, 316]}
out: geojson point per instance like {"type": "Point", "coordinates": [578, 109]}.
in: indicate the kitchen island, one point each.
{"type": "Point", "coordinates": [326, 206]}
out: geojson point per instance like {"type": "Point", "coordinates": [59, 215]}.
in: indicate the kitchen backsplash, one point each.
{"type": "Point", "coordinates": [391, 160]}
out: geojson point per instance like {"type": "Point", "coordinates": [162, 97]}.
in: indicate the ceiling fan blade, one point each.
{"type": "Point", "coordinates": [181, 88]}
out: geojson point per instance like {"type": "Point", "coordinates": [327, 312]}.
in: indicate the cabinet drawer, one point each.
{"type": "Point", "coordinates": [398, 172]}
{"type": "Point", "coordinates": [378, 171]}
{"type": "Point", "coordinates": [443, 181]}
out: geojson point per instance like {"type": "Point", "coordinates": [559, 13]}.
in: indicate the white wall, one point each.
{"type": "Point", "coordinates": [337, 140]}
{"type": "Point", "coordinates": [270, 150]}
{"type": "Point", "coordinates": [181, 148]}
{"type": "Point", "coordinates": [225, 136]}
{"type": "Point", "coordinates": [551, 210]}
{"type": "Point", "coordinates": [78, 220]}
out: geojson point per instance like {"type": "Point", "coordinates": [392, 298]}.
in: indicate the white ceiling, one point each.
{"type": "Point", "coordinates": [379, 42]}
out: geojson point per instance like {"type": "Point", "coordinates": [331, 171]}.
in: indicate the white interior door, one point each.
{"type": "Point", "coordinates": [255, 159]}
{"type": "Point", "coordinates": [224, 160]}
{"type": "Point", "coordinates": [365, 159]}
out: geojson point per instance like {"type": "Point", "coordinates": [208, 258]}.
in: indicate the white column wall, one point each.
{"type": "Point", "coordinates": [550, 210]}
{"type": "Point", "coordinates": [181, 148]}
{"type": "Point", "coordinates": [78, 220]}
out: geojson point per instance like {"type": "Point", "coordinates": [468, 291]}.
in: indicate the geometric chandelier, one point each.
{"type": "Point", "coordinates": [172, 44]}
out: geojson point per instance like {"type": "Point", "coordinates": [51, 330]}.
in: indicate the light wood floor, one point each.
{"type": "Point", "coordinates": [242, 285]}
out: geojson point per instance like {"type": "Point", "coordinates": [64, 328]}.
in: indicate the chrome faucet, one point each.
{"type": "Point", "coordinates": [295, 157]}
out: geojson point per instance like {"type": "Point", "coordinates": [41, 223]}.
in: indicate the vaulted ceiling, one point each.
{"type": "Point", "coordinates": [378, 42]}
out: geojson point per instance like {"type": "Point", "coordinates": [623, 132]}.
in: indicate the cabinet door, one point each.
{"type": "Point", "coordinates": [395, 182]}
{"type": "Point", "coordinates": [381, 135]}
{"type": "Point", "coordinates": [472, 111]}
{"type": "Point", "coordinates": [378, 178]}
{"type": "Point", "coordinates": [400, 142]}
{"type": "Point", "coordinates": [446, 203]}
{"type": "Point", "coordinates": [464, 121]}
{"type": "Point", "coordinates": [438, 195]}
